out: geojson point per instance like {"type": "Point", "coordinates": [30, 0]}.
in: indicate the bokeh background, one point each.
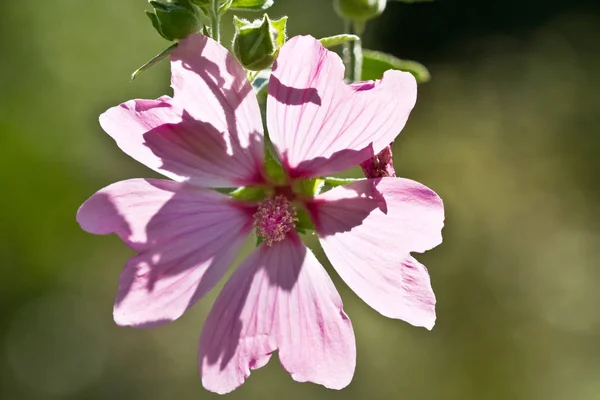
{"type": "Point", "coordinates": [507, 132]}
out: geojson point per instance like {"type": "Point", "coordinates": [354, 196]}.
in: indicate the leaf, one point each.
{"type": "Point", "coordinates": [155, 60]}
{"type": "Point", "coordinates": [375, 63]}
{"type": "Point", "coordinates": [331, 41]}
{"type": "Point", "coordinates": [251, 5]}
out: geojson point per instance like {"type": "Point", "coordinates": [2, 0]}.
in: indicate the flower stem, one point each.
{"type": "Point", "coordinates": [215, 18]}
{"type": "Point", "coordinates": [353, 51]}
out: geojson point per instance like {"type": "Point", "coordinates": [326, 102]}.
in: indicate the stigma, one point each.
{"type": "Point", "coordinates": [274, 218]}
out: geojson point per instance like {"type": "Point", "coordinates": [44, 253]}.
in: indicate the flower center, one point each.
{"type": "Point", "coordinates": [274, 218]}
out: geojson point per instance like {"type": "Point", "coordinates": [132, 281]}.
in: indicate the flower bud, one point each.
{"type": "Point", "coordinates": [256, 44]}
{"type": "Point", "coordinates": [359, 10]}
{"type": "Point", "coordinates": [176, 19]}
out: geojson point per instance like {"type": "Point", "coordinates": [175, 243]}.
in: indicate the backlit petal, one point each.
{"type": "Point", "coordinates": [368, 230]}
{"type": "Point", "coordinates": [210, 133]}
{"type": "Point", "coordinates": [279, 298]}
{"type": "Point", "coordinates": [318, 124]}
{"type": "Point", "coordinates": [186, 239]}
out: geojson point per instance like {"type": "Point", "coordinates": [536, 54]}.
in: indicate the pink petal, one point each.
{"type": "Point", "coordinates": [368, 230]}
{"type": "Point", "coordinates": [210, 133]}
{"type": "Point", "coordinates": [280, 297]}
{"type": "Point", "coordinates": [318, 124]}
{"type": "Point", "coordinates": [186, 239]}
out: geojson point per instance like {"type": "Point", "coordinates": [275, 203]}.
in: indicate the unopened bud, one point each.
{"type": "Point", "coordinates": [359, 10]}
{"type": "Point", "coordinates": [175, 19]}
{"type": "Point", "coordinates": [256, 44]}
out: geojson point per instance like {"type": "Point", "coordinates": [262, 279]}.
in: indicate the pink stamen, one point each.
{"type": "Point", "coordinates": [274, 218]}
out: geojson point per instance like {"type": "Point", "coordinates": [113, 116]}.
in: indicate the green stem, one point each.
{"type": "Point", "coordinates": [215, 21]}
{"type": "Point", "coordinates": [353, 51]}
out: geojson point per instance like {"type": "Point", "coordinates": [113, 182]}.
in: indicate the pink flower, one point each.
{"type": "Point", "coordinates": [210, 135]}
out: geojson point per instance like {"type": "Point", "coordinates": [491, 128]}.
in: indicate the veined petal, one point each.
{"type": "Point", "coordinates": [186, 239]}
{"type": "Point", "coordinates": [279, 298]}
{"type": "Point", "coordinates": [391, 217]}
{"type": "Point", "coordinates": [318, 124]}
{"type": "Point", "coordinates": [210, 133]}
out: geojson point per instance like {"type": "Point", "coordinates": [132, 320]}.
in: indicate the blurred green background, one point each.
{"type": "Point", "coordinates": [507, 132]}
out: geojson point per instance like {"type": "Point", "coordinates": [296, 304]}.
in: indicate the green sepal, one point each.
{"type": "Point", "coordinates": [308, 187]}
{"type": "Point", "coordinates": [332, 41]}
{"type": "Point", "coordinates": [304, 222]}
{"type": "Point", "coordinates": [273, 167]}
{"type": "Point", "coordinates": [251, 5]}
{"type": "Point", "coordinates": [335, 182]}
{"type": "Point", "coordinates": [152, 62]}
{"type": "Point", "coordinates": [279, 26]}
{"type": "Point", "coordinates": [375, 63]}
{"type": "Point", "coordinates": [248, 193]}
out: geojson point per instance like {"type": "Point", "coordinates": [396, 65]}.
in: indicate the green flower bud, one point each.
{"type": "Point", "coordinates": [175, 19]}
{"type": "Point", "coordinates": [256, 44]}
{"type": "Point", "coordinates": [359, 10]}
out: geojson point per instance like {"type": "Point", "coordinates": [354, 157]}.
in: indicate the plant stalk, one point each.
{"type": "Point", "coordinates": [215, 21]}
{"type": "Point", "coordinates": [353, 51]}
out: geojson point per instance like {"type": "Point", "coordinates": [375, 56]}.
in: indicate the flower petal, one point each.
{"type": "Point", "coordinates": [186, 239]}
{"type": "Point", "coordinates": [280, 297]}
{"type": "Point", "coordinates": [390, 217]}
{"type": "Point", "coordinates": [210, 133]}
{"type": "Point", "coordinates": [318, 124]}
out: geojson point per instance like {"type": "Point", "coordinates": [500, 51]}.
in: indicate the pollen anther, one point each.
{"type": "Point", "coordinates": [274, 218]}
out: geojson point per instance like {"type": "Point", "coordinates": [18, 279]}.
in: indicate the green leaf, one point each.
{"type": "Point", "coordinates": [155, 60]}
{"type": "Point", "coordinates": [375, 63]}
{"type": "Point", "coordinates": [251, 5]}
{"type": "Point", "coordinates": [331, 41]}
